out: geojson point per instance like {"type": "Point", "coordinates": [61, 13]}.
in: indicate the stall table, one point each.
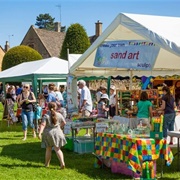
{"type": "Point", "coordinates": [177, 135]}
{"type": "Point", "coordinates": [130, 121]}
{"type": "Point", "coordinates": [176, 128]}
{"type": "Point", "coordinates": [132, 151]}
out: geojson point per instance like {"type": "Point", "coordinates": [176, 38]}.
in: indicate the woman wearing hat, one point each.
{"type": "Point", "coordinates": [102, 106]}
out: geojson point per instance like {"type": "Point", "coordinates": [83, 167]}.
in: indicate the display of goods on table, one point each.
{"type": "Point", "coordinates": [106, 125]}
{"type": "Point", "coordinates": [157, 127]}
{"type": "Point", "coordinates": [78, 123]}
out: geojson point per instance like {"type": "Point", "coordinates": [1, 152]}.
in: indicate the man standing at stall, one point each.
{"type": "Point", "coordinates": [85, 106]}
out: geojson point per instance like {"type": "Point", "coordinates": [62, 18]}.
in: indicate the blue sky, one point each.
{"type": "Point", "coordinates": [18, 15]}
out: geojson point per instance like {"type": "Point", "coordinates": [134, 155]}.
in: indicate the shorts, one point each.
{"type": "Point", "coordinates": [86, 113]}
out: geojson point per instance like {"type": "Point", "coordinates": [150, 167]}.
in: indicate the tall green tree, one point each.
{"type": "Point", "coordinates": [76, 40]}
{"type": "Point", "coordinates": [18, 55]}
{"type": "Point", "coordinates": [45, 21]}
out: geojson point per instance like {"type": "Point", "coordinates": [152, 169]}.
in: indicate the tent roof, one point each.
{"type": "Point", "coordinates": [43, 69]}
{"type": "Point", "coordinates": [161, 30]}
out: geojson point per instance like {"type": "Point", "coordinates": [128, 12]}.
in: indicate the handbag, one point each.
{"type": "Point", "coordinates": [34, 107]}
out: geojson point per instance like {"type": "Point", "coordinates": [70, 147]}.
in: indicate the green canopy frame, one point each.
{"type": "Point", "coordinates": [36, 80]}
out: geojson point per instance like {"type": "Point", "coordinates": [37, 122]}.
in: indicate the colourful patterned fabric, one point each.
{"type": "Point", "coordinates": [123, 148]}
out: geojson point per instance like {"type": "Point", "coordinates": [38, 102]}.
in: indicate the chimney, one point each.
{"type": "Point", "coordinates": [98, 28]}
{"type": "Point", "coordinates": [57, 26]}
{"type": "Point", "coordinates": [6, 47]}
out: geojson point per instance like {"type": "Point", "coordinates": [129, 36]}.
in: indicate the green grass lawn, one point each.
{"type": "Point", "coordinates": [25, 160]}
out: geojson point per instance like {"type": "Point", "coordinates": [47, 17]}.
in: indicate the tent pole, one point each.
{"type": "Point", "coordinates": [108, 85]}
{"type": "Point", "coordinates": [4, 88]}
{"type": "Point", "coordinates": [108, 90]}
{"type": "Point", "coordinates": [131, 77]}
{"type": "Point", "coordinates": [40, 86]}
{"type": "Point", "coordinates": [34, 85]}
{"type": "Point", "coordinates": [68, 59]}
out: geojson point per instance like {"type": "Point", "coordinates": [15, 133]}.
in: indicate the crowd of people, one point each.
{"type": "Point", "coordinates": [52, 121]}
{"type": "Point", "coordinates": [53, 101]}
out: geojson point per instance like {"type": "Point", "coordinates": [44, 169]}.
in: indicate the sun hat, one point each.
{"type": "Point", "coordinates": [112, 87]}
{"type": "Point", "coordinates": [81, 82]}
{"type": "Point", "coordinates": [103, 87]}
{"type": "Point", "coordinates": [104, 96]}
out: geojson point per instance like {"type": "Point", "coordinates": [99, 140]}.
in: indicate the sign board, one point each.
{"type": "Point", "coordinates": [129, 54]}
{"type": "Point", "coordinates": [101, 127]}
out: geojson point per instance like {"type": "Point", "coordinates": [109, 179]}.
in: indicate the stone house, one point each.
{"type": "Point", "coordinates": [98, 31]}
{"type": "Point", "coordinates": [2, 53]}
{"type": "Point", "coordinates": [49, 43]}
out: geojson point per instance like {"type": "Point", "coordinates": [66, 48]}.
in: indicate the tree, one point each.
{"type": "Point", "coordinates": [76, 40]}
{"type": "Point", "coordinates": [18, 55]}
{"type": "Point", "coordinates": [45, 21]}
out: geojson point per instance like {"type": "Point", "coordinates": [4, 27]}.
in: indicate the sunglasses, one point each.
{"type": "Point", "coordinates": [26, 87]}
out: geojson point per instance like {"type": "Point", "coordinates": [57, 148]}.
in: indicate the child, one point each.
{"type": "Point", "coordinates": [102, 106]}
{"type": "Point", "coordinates": [37, 116]}
{"type": "Point", "coordinates": [62, 110]}
{"type": "Point", "coordinates": [41, 101]}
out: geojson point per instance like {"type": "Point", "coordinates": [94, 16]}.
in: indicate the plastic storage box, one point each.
{"type": "Point", "coordinates": [84, 145]}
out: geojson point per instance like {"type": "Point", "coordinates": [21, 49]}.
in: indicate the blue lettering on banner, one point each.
{"type": "Point", "coordinates": [135, 54]}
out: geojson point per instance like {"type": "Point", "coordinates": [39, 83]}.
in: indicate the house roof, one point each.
{"type": "Point", "coordinates": [2, 53]}
{"type": "Point", "coordinates": [51, 40]}
{"type": "Point", "coordinates": [2, 49]}
{"type": "Point", "coordinates": [163, 31]}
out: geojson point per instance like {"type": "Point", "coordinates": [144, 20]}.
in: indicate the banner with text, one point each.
{"type": "Point", "coordinates": [72, 94]}
{"type": "Point", "coordinates": [130, 54]}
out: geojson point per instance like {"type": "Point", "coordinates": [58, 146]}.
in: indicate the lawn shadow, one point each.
{"type": "Point", "coordinates": [84, 164]}
{"type": "Point", "coordinates": [17, 127]}
{"type": "Point", "coordinates": [32, 153]}
{"type": "Point", "coordinates": [14, 165]}
{"type": "Point", "coordinates": [24, 151]}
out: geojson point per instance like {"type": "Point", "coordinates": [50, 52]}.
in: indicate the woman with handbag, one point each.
{"type": "Point", "coordinates": [27, 99]}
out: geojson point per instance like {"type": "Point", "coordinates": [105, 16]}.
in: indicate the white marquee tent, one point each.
{"type": "Point", "coordinates": [161, 30]}
{"type": "Point", "coordinates": [49, 69]}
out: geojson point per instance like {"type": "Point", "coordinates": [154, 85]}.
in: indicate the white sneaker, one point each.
{"type": "Point", "coordinates": [87, 135]}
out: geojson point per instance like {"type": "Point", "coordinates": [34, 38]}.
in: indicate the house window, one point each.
{"type": "Point", "coordinates": [31, 45]}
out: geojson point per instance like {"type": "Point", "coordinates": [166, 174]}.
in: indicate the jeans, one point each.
{"type": "Point", "coordinates": [27, 119]}
{"type": "Point", "coordinates": [168, 123]}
